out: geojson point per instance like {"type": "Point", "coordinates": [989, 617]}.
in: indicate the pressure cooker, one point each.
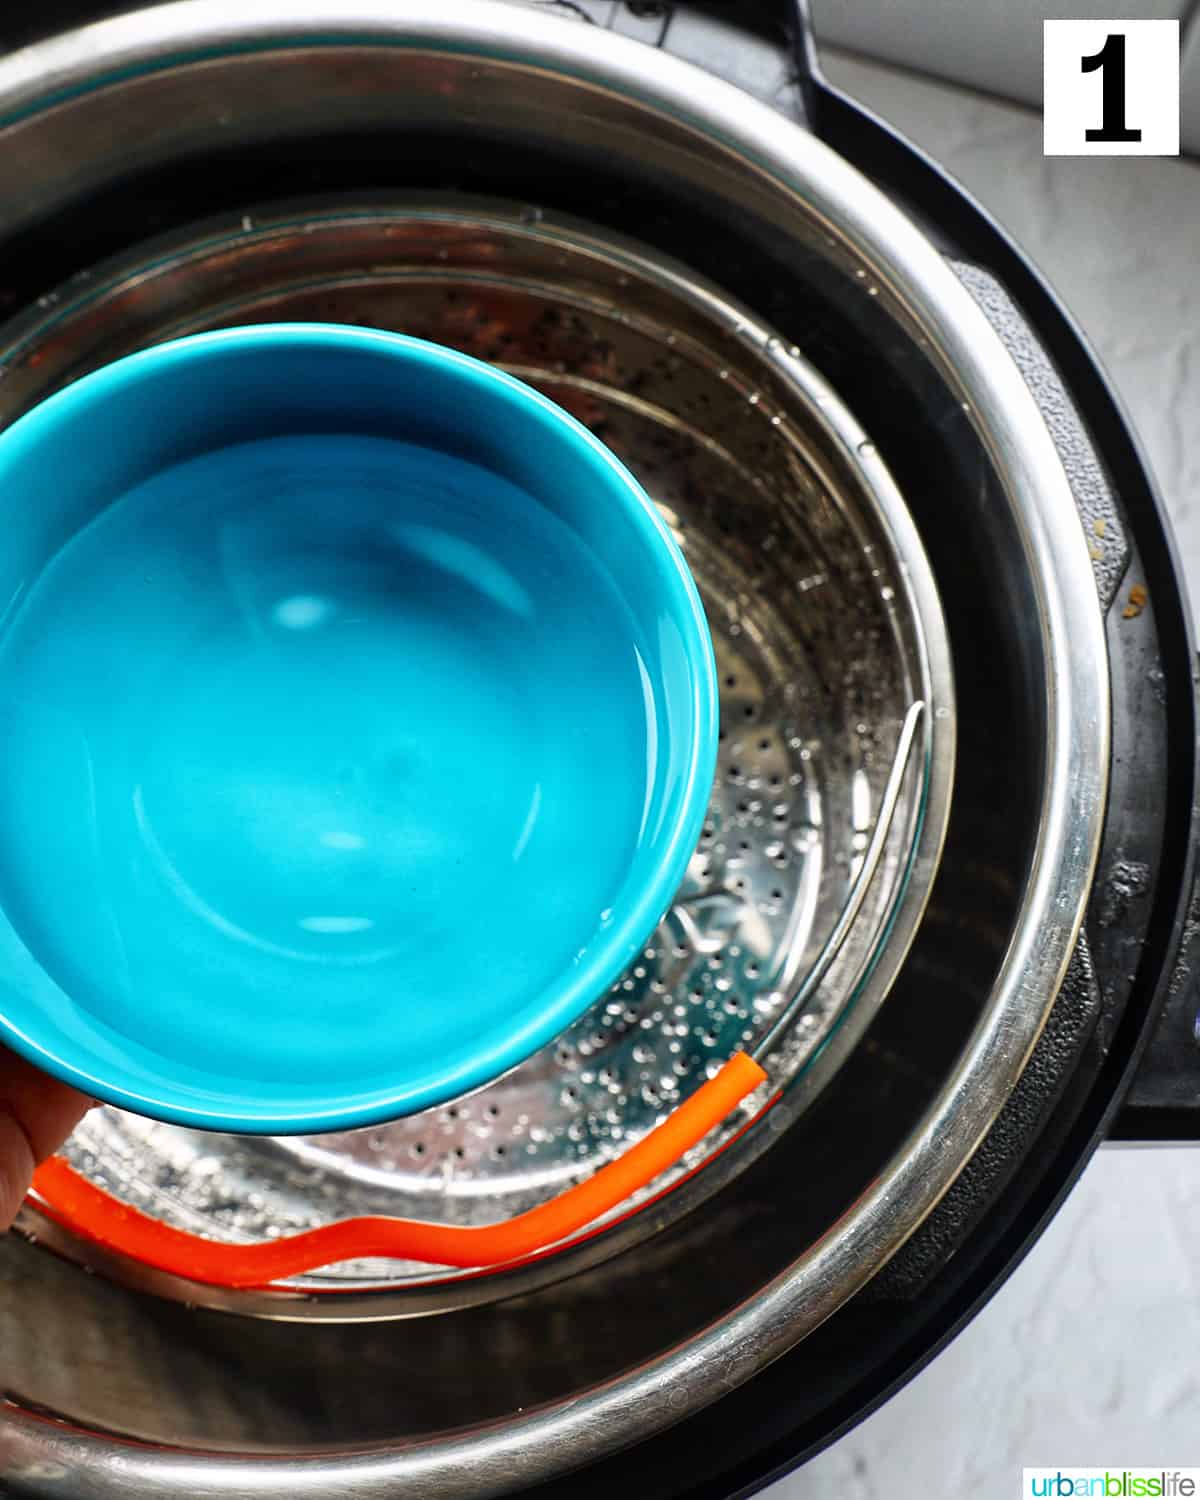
{"type": "Point", "coordinates": [944, 891]}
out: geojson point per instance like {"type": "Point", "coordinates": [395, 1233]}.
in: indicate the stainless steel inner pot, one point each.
{"type": "Point", "coordinates": [180, 104]}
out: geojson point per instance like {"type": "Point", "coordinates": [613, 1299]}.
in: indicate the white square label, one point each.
{"type": "Point", "coordinates": [1111, 88]}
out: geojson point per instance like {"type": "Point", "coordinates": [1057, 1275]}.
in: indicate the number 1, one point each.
{"type": "Point", "coordinates": [1111, 61]}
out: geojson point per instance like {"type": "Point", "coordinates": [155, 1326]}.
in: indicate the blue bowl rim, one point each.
{"type": "Point", "coordinates": [638, 916]}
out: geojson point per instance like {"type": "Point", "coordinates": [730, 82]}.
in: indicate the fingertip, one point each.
{"type": "Point", "coordinates": [16, 1166]}
{"type": "Point", "coordinates": [45, 1109]}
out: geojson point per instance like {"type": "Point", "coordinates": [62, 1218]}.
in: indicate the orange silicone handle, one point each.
{"type": "Point", "coordinates": [71, 1200]}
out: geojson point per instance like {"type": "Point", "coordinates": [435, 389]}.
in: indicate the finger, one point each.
{"type": "Point", "coordinates": [37, 1113]}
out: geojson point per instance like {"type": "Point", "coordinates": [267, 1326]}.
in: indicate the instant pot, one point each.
{"type": "Point", "coordinates": [945, 887]}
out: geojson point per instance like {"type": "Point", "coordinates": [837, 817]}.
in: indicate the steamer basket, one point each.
{"type": "Point", "coordinates": [805, 891]}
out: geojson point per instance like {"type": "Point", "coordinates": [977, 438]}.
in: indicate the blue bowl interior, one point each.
{"type": "Point", "coordinates": [361, 720]}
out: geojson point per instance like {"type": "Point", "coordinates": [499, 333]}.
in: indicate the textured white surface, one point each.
{"type": "Point", "coordinates": [1189, 84]}
{"type": "Point", "coordinates": [995, 45]}
{"type": "Point", "coordinates": [1090, 1355]}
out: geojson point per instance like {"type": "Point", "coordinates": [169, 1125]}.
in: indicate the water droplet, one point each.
{"type": "Point", "coordinates": [887, 593]}
{"type": "Point", "coordinates": [754, 398]}
{"type": "Point", "coordinates": [866, 448]}
{"type": "Point", "coordinates": [532, 215]}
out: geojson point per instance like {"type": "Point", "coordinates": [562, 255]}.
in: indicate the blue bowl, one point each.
{"type": "Point", "coordinates": [360, 720]}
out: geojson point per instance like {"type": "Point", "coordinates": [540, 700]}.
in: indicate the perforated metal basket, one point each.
{"type": "Point", "coordinates": [810, 877]}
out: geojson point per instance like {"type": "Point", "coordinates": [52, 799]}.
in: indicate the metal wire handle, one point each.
{"type": "Point", "coordinates": [858, 891]}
